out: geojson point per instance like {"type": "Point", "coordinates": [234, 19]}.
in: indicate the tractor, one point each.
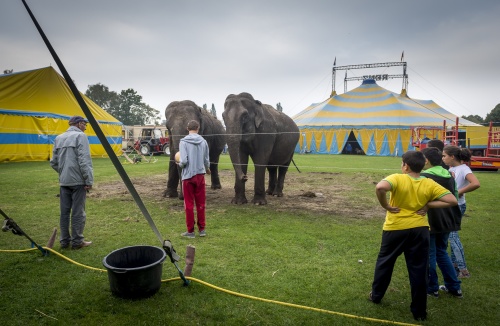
{"type": "Point", "coordinates": [152, 142]}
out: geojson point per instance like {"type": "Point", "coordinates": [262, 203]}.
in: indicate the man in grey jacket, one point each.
{"type": "Point", "coordinates": [195, 162]}
{"type": "Point", "coordinates": [71, 159]}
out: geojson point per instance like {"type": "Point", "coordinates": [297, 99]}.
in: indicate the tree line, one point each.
{"type": "Point", "coordinates": [493, 116]}
{"type": "Point", "coordinates": [126, 106]}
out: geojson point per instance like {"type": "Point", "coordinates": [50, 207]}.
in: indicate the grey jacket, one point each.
{"type": "Point", "coordinates": [194, 156]}
{"type": "Point", "coordinates": [71, 158]}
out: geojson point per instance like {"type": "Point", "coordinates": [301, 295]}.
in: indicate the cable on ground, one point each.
{"type": "Point", "coordinates": [231, 292]}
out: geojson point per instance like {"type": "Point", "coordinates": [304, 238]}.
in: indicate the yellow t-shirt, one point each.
{"type": "Point", "coordinates": [410, 194]}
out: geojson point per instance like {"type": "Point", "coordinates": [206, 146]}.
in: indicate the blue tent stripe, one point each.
{"type": "Point", "coordinates": [399, 146]}
{"type": "Point", "coordinates": [384, 150]}
{"type": "Point", "coordinates": [36, 139]}
{"type": "Point", "coordinates": [333, 147]}
{"type": "Point", "coordinates": [313, 144]}
{"type": "Point", "coordinates": [49, 115]}
{"type": "Point", "coordinates": [372, 148]}
{"type": "Point", "coordinates": [322, 145]}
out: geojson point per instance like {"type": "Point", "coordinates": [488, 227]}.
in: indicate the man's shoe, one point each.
{"type": "Point", "coordinates": [189, 235]}
{"type": "Point", "coordinates": [457, 294]}
{"type": "Point", "coordinates": [203, 233]}
{"type": "Point", "coordinates": [370, 297]}
{"type": "Point", "coordinates": [66, 246]}
{"type": "Point", "coordinates": [82, 245]}
{"type": "Point", "coordinates": [420, 317]}
{"type": "Point", "coordinates": [433, 294]}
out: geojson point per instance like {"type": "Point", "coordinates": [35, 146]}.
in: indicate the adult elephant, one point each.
{"type": "Point", "coordinates": [266, 135]}
{"type": "Point", "coordinates": [178, 114]}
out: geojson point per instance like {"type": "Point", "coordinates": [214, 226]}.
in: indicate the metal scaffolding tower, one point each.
{"type": "Point", "coordinates": [376, 77]}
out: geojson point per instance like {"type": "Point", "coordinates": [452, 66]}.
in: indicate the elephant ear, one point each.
{"type": "Point", "coordinates": [259, 113]}
{"type": "Point", "coordinates": [199, 114]}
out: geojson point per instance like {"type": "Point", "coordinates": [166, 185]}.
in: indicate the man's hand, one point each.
{"type": "Point", "coordinates": [208, 171]}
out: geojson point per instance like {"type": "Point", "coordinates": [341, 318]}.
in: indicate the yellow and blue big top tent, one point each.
{"type": "Point", "coordinates": [369, 119]}
{"type": "Point", "coordinates": [35, 107]}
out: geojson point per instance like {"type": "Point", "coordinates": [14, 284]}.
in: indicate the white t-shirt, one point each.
{"type": "Point", "coordinates": [460, 173]}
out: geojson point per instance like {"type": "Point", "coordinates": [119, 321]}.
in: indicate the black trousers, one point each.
{"type": "Point", "coordinates": [414, 243]}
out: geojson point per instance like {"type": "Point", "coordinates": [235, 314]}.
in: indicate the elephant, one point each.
{"type": "Point", "coordinates": [266, 135]}
{"type": "Point", "coordinates": [178, 114]}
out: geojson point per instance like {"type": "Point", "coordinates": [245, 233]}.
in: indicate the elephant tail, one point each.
{"type": "Point", "coordinates": [295, 165]}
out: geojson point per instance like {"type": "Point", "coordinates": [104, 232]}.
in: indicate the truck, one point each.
{"type": "Point", "coordinates": [152, 142]}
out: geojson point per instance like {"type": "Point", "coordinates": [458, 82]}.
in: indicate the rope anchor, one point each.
{"type": "Point", "coordinates": [10, 225]}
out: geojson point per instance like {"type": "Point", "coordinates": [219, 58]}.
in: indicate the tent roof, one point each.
{"type": "Point", "coordinates": [375, 106]}
{"type": "Point", "coordinates": [44, 92]}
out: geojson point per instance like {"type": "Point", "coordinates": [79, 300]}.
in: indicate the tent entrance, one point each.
{"type": "Point", "coordinates": [352, 146]}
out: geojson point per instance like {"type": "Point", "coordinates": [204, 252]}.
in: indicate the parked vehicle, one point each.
{"type": "Point", "coordinates": [152, 142]}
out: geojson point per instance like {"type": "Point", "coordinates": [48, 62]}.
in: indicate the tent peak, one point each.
{"type": "Point", "coordinates": [368, 81]}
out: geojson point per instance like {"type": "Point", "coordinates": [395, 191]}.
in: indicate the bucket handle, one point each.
{"type": "Point", "coordinates": [118, 271]}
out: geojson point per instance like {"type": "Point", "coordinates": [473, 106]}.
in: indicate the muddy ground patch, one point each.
{"type": "Point", "coordinates": [334, 193]}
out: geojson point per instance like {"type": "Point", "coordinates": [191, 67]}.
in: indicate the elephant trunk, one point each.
{"type": "Point", "coordinates": [233, 144]}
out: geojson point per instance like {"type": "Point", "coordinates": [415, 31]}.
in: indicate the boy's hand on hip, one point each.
{"type": "Point", "coordinates": [393, 210]}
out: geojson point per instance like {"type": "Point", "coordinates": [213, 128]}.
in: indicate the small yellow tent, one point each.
{"type": "Point", "coordinates": [35, 107]}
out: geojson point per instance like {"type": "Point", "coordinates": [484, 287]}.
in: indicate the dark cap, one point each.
{"type": "Point", "coordinates": [77, 119]}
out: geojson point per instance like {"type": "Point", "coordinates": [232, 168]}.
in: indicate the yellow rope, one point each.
{"type": "Point", "coordinates": [232, 292]}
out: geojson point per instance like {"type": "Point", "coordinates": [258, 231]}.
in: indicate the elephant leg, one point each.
{"type": "Point", "coordinates": [239, 183]}
{"type": "Point", "coordinates": [259, 187]}
{"type": "Point", "coordinates": [173, 180]}
{"type": "Point", "coordinates": [273, 173]}
{"type": "Point", "coordinates": [181, 193]}
{"type": "Point", "coordinates": [214, 169]}
{"type": "Point", "coordinates": [278, 191]}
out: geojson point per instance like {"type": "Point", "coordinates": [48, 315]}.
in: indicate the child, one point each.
{"type": "Point", "coordinates": [406, 229]}
{"type": "Point", "coordinates": [456, 158]}
{"type": "Point", "coordinates": [194, 161]}
{"type": "Point", "coordinates": [442, 221]}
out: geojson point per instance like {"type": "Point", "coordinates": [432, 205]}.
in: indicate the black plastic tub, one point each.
{"type": "Point", "coordinates": [135, 272]}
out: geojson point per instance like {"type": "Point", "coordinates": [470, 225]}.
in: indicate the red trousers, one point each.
{"type": "Point", "coordinates": [194, 192]}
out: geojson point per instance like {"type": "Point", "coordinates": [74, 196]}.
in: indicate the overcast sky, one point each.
{"type": "Point", "coordinates": [279, 51]}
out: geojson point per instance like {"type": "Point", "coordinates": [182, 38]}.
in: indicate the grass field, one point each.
{"type": "Point", "coordinates": [286, 251]}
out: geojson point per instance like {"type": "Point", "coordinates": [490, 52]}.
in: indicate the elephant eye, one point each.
{"type": "Point", "coordinates": [245, 118]}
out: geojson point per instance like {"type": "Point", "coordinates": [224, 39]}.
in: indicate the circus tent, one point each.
{"type": "Point", "coordinates": [35, 107]}
{"type": "Point", "coordinates": [368, 120]}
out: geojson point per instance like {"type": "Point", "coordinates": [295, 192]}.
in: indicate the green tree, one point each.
{"type": "Point", "coordinates": [212, 111]}
{"type": "Point", "coordinates": [494, 115]}
{"type": "Point", "coordinates": [473, 118]}
{"type": "Point", "coordinates": [102, 96]}
{"type": "Point", "coordinates": [127, 106]}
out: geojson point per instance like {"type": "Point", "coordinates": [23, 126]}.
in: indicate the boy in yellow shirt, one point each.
{"type": "Point", "coordinates": [406, 229]}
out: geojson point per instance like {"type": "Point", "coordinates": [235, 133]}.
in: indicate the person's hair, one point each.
{"type": "Point", "coordinates": [415, 160]}
{"type": "Point", "coordinates": [460, 154]}
{"type": "Point", "coordinates": [433, 155]}
{"type": "Point", "coordinates": [436, 143]}
{"type": "Point", "coordinates": [193, 125]}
